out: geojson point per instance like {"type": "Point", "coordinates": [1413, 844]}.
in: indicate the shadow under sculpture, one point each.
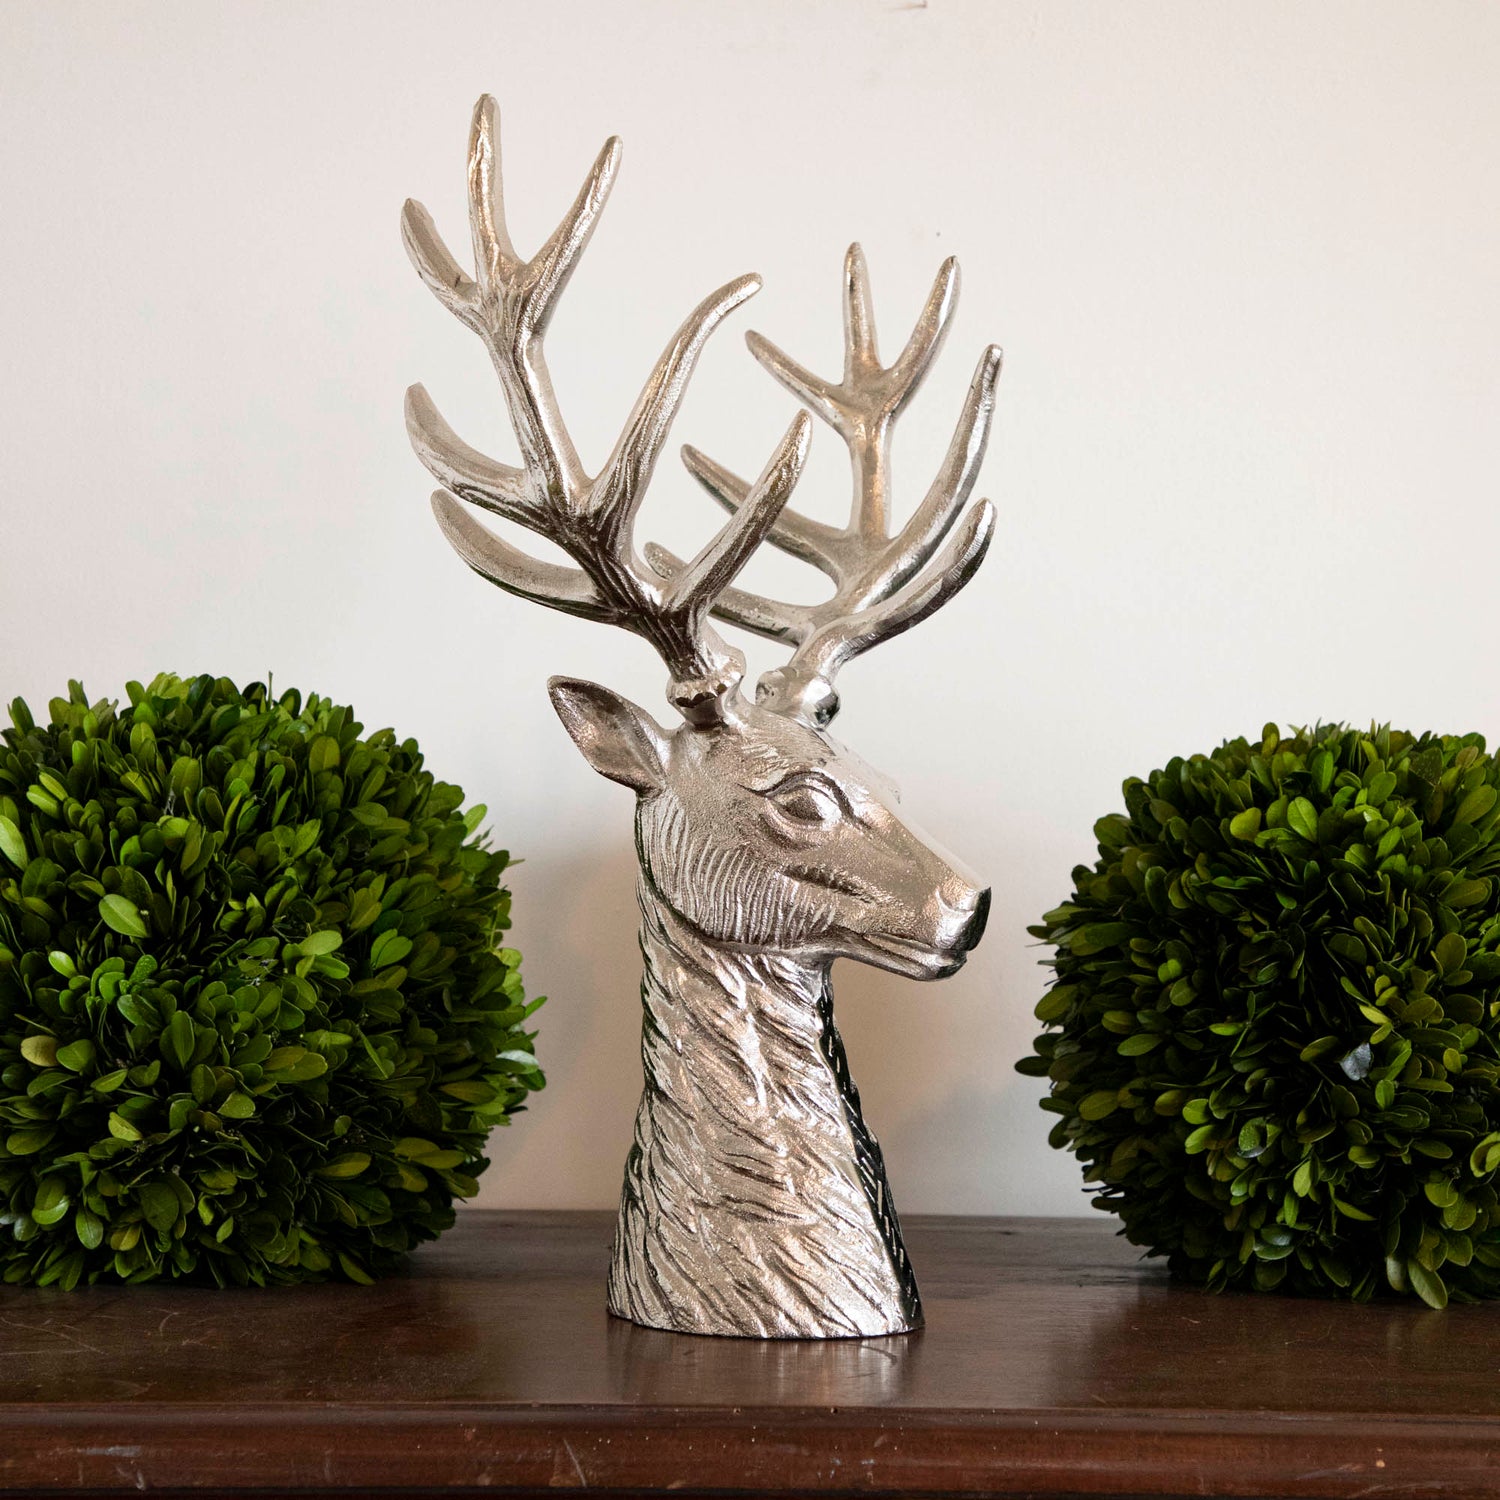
{"type": "Point", "coordinates": [755, 1200]}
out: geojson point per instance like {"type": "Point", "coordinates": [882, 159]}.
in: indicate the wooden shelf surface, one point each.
{"type": "Point", "coordinates": [1053, 1363]}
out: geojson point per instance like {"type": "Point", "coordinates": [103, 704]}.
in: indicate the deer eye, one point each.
{"type": "Point", "coordinates": [805, 802]}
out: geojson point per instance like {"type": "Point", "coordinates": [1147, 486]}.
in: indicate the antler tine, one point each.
{"type": "Point", "coordinates": [754, 612]}
{"type": "Point", "coordinates": [860, 559]}
{"type": "Point", "coordinates": [468, 473]}
{"type": "Point", "coordinates": [928, 336]}
{"type": "Point", "coordinates": [556, 261]}
{"type": "Point", "coordinates": [950, 490]}
{"type": "Point", "coordinates": [861, 407]}
{"type": "Point", "coordinates": [494, 558]}
{"type": "Point", "coordinates": [509, 302]}
{"type": "Point", "coordinates": [840, 641]}
{"type": "Point", "coordinates": [798, 535]}
{"type": "Point", "coordinates": [804, 687]}
{"type": "Point", "coordinates": [702, 583]}
{"type": "Point", "coordinates": [494, 255]}
{"type": "Point", "coordinates": [860, 348]}
{"type": "Point", "coordinates": [623, 480]}
{"type": "Point", "coordinates": [444, 277]}
{"type": "Point", "coordinates": [882, 584]}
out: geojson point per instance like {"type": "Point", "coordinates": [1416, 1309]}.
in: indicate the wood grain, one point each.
{"type": "Point", "coordinates": [1053, 1363]}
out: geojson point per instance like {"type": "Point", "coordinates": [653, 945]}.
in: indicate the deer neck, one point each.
{"type": "Point", "coordinates": [755, 1199]}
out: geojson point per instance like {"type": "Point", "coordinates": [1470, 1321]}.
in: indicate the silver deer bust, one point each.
{"type": "Point", "coordinates": [755, 1200]}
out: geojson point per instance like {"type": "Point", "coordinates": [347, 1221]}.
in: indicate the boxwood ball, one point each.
{"type": "Point", "coordinates": [254, 1022]}
{"type": "Point", "coordinates": [1274, 1036]}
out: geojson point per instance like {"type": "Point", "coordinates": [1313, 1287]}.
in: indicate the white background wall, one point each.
{"type": "Point", "coordinates": [1242, 260]}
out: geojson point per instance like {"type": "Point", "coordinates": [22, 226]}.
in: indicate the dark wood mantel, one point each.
{"type": "Point", "coordinates": [1053, 1363]}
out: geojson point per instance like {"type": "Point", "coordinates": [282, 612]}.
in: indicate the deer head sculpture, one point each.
{"type": "Point", "coordinates": [755, 1199]}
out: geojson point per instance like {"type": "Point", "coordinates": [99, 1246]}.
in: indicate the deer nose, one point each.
{"type": "Point", "coordinates": [974, 927]}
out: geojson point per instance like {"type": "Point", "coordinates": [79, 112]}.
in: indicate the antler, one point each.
{"type": "Point", "coordinates": [883, 584]}
{"type": "Point", "coordinates": [509, 303]}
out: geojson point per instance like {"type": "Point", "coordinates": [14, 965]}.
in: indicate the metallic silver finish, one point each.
{"type": "Point", "coordinates": [883, 584]}
{"type": "Point", "coordinates": [755, 1199]}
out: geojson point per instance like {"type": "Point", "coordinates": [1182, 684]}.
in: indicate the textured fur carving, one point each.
{"type": "Point", "coordinates": [755, 1200]}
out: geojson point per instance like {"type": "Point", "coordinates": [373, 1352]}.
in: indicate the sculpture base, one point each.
{"type": "Point", "coordinates": [772, 1328]}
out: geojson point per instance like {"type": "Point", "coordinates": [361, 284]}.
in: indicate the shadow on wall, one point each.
{"type": "Point", "coordinates": [935, 1088]}
{"type": "Point", "coordinates": [568, 1149]}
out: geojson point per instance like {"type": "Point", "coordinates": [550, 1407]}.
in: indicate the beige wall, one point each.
{"type": "Point", "coordinates": [1243, 262]}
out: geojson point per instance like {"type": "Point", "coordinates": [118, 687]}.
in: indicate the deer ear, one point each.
{"type": "Point", "coordinates": [618, 739]}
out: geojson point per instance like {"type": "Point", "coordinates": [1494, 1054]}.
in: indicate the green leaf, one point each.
{"type": "Point", "coordinates": [443, 1159]}
{"type": "Point", "coordinates": [237, 1106]}
{"type": "Point", "coordinates": [51, 1192]}
{"type": "Point", "coordinates": [1467, 893]}
{"type": "Point", "coordinates": [12, 844]}
{"type": "Point", "coordinates": [351, 1164]}
{"type": "Point", "coordinates": [528, 1060]}
{"type": "Point", "coordinates": [1246, 825]}
{"type": "Point", "coordinates": [321, 942]}
{"type": "Point", "coordinates": [307, 1067]}
{"type": "Point", "coordinates": [322, 754]}
{"type": "Point", "coordinates": [1485, 1158]}
{"type": "Point", "coordinates": [89, 1228]}
{"type": "Point", "coordinates": [1097, 936]}
{"type": "Point", "coordinates": [122, 1129]}
{"type": "Point", "coordinates": [40, 1050]}
{"type": "Point", "coordinates": [1053, 1006]}
{"type": "Point", "coordinates": [29, 1140]}
{"type": "Point", "coordinates": [1450, 952]}
{"type": "Point", "coordinates": [179, 1041]}
{"type": "Point", "coordinates": [77, 1057]}
{"type": "Point", "coordinates": [1302, 819]}
{"type": "Point", "coordinates": [122, 916]}
{"type": "Point", "coordinates": [364, 908]}
{"type": "Point", "coordinates": [388, 948]}
{"type": "Point", "coordinates": [204, 1084]}
{"type": "Point", "coordinates": [354, 1271]}
{"type": "Point", "coordinates": [1475, 805]}
{"type": "Point", "coordinates": [470, 1091]}
{"type": "Point", "coordinates": [52, 1214]}
{"type": "Point", "coordinates": [1428, 1285]}
{"type": "Point", "coordinates": [1321, 768]}
{"type": "Point", "coordinates": [159, 1204]}
{"type": "Point", "coordinates": [1318, 1048]}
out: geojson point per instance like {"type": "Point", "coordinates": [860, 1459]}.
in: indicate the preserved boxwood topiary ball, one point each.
{"type": "Point", "coordinates": [1273, 1032]}
{"type": "Point", "coordinates": [254, 1026]}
